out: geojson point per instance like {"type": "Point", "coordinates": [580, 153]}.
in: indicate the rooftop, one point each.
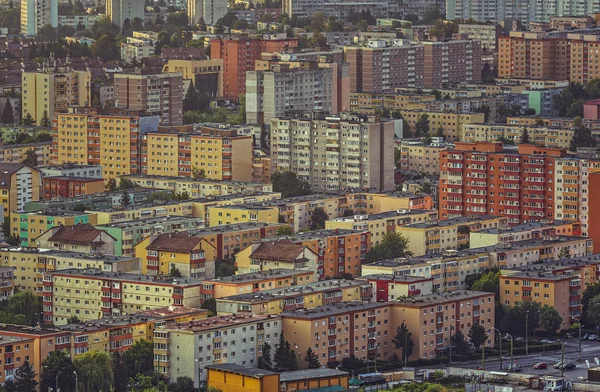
{"type": "Point", "coordinates": [175, 242]}
{"type": "Point", "coordinates": [525, 227]}
{"type": "Point", "coordinates": [279, 250]}
{"type": "Point", "coordinates": [450, 296]}
{"type": "Point", "coordinates": [68, 254]}
{"type": "Point", "coordinates": [206, 231]}
{"type": "Point", "coordinates": [52, 212]}
{"type": "Point", "coordinates": [333, 309]}
{"type": "Point", "coordinates": [259, 276]}
{"type": "Point", "coordinates": [243, 370]}
{"type": "Point", "coordinates": [67, 178]}
{"type": "Point", "coordinates": [386, 215]}
{"type": "Point", "coordinates": [310, 374]}
{"type": "Point", "coordinates": [217, 183]}
{"type": "Point", "coordinates": [96, 273]}
{"type": "Point", "coordinates": [77, 234]}
{"type": "Point", "coordinates": [454, 221]}
{"type": "Point", "coordinates": [217, 322]}
{"type": "Point", "coordinates": [395, 278]}
{"type": "Point", "coordinates": [149, 221]}
{"type": "Point", "coordinates": [319, 234]}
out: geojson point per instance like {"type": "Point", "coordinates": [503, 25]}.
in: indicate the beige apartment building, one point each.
{"type": "Point", "coordinates": [205, 75]}
{"type": "Point", "coordinates": [539, 135]}
{"type": "Point", "coordinates": [420, 157]}
{"type": "Point", "coordinates": [160, 94]}
{"type": "Point", "coordinates": [54, 89]}
{"type": "Point", "coordinates": [335, 153]}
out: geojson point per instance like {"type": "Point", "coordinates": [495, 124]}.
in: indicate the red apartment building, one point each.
{"type": "Point", "coordinates": [483, 178]}
{"type": "Point", "coordinates": [71, 186]}
{"type": "Point", "coordinates": [239, 54]}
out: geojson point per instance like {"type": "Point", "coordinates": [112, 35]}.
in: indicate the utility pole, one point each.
{"type": "Point", "coordinates": [482, 357]}
{"type": "Point", "coordinates": [562, 359]}
{"type": "Point", "coordinates": [500, 339]}
{"type": "Point", "coordinates": [527, 332]}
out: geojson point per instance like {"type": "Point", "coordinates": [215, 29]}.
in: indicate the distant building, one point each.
{"type": "Point", "coordinates": [209, 10]}
{"type": "Point", "coordinates": [19, 184]}
{"type": "Point", "coordinates": [35, 14]}
{"type": "Point", "coordinates": [120, 10]}
{"type": "Point", "coordinates": [81, 237]}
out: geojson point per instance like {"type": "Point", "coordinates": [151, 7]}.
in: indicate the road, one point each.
{"type": "Point", "coordinates": [590, 350]}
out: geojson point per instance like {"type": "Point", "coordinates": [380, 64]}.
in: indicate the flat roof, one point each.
{"type": "Point", "coordinates": [525, 227]}
{"type": "Point", "coordinates": [319, 234]}
{"type": "Point", "coordinates": [217, 322]}
{"type": "Point", "coordinates": [310, 374]}
{"type": "Point", "coordinates": [125, 277]}
{"type": "Point", "coordinates": [333, 309]}
{"type": "Point", "coordinates": [53, 212]}
{"type": "Point", "coordinates": [259, 276]}
{"type": "Point", "coordinates": [233, 227]}
{"type": "Point", "coordinates": [449, 296]}
{"type": "Point", "coordinates": [531, 243]}
{"type": "Point", "coordinates": [395, 278]}
{"type": "Point", "coordinates": [196, 180]}
{"type": "Point", "coordinates": [149, 221]}
{"type": "Point", "coordinates": [454, 221]}
{"type": "Point", "coordinates": [68, 254]}
{"type": "Point", "coordinates": [67, 178]}
{"type": "Point", "coordinates": [386, 215]}
{"type": "Point", "coordinates": [243, 370]}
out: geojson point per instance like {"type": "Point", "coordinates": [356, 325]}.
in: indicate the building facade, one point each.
{"type": "Point", "coordinates": [35, 14]}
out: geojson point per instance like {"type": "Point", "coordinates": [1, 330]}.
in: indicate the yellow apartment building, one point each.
{"type": "Point", "coordinates": [451, 123]}
{"type": "Point", "coordinates": [382, 223]}
{"type": "Point", "coordinates": [433, 319]}
{"type": "Point", "coordinates": [14, 351]}
{"type": "Point", "coordinates": [90, 294]}
{"type": "Point", "coordinates": [193, 256]}
{"type": "Point", "coordinates": [142, 211]}
{"type": "Point", "coordinates": [539, 135]}
{"type": "Point", "coordinates": [227, 215]}
{"type": "Point", "coordinates": [197, 187]}
{"type": "Point", "coordinates": [30, 264]}
{"type": "Point", "coordinates": [254, 282]}
{"type": "Point", "coordinates": [201, 207]}
{"type": "Point", "coordinates": [435, 237]}
{"type": "Point", "coordinates": [387, 101]}
{"type": "Point", "coordinates": [28, 226]}
{"type": "Point", "coordinates": [525, 231]}
{"type": "Point", "coordinates": [420, 157]}
{"type": "Point", "coordinates": [304, 296]}
{"type": "Point", "coordinates": [17, 153]}
{"type": "Point", "coordinates": [187, 349]}
{"type": "Point", "coordinates": [268, 255]}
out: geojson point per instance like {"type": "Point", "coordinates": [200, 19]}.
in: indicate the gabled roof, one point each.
{"type": "Point", "coordinates": [77, 234]}
{"type": "Point", "coordinates": [280, 250]}
{"type": "Point", "coordinates": [181, 242]}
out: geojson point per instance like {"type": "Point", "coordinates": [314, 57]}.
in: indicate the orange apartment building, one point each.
{"type": "Point", "coordinates": [239, 54]}
{"type": "Point", "coordinates": [482, 178]}
{"type": "Point", "coordinates": [14, 351]}
{"type": "Point", "coordinates": [535, 55]}
{"type": "Point", "coordinates": [62, 187]}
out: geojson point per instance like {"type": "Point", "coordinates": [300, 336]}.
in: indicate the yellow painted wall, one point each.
{"type": "Point", "coordinates": [225, 216]}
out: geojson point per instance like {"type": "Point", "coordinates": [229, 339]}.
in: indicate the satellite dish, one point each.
{"type": "Point", "coordinates": [587, 362]}
{"type": "Point", "coordinates": [597, 361]}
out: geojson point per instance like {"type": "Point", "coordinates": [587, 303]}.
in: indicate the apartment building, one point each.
{"type": "Point", "coordinates": [19, 184]}
{"type": "Point", "coordinates": [436, 236]}
{"type": "Point", "coordinates": [119, 10]}
{"type": "Point", "coordinates": [28, 226]}
{"type": "Point", "coordinates": [111, 138]}
{"type": "Point", "coordinates": [87, 21]}
{"type": "Point", "coordinates": [380, 224]}
{"type": "Point", "coordinates": [303, 296]}
{"type": "Point", "coordinates": [226, 239]}
{"type": "Point", "coordinates": [420, 157]}
{"type": "Point", "coordinates": [433, 319]}
{"type": "Point", "coordinates": [336, 331]}
{"type": "Point", "coordinates": [235, 339]}
{"type": "Point", "coordinates": [158, 94]}
{"type": "Point", "coordinates": [487, 34]}
{"type": "Point", "coordinates": [254, 282]}
{"type": "Point", "coordinates": [526, 231]}
{"type": "Point", "coordinates": [340, 251]}
{"type": "Point", "coordinates": [90, 294]}
{"type": "Point", "coordinates": [71, 170]}
{"type": "Point", "coordinates": [239, 54]}
{"type": "Point", "coordinates": [54, 89]}
{"type": "Point", "coordinates": [494, 181]}
{"type": "Point", "coordinates": [36, 14]}
{"type": "Point", "coordinates": [64, 187]}
{"type": "Point", "coordinates": [130, 233]}
{"type": "Point", "coordinates": [450, 123]}
{"type": "Point", "coordinates": [261, 168]}
{"type": "Point", "coordinates": [233, 214]}
{"type": "Point", "coordinates": [215, 154]}
{"type": "Point", "coordinates": [332, 154]}
{"type": "Point", "coordinates": [389, 287]}
{"type": "Point", "coordinates": [304, 9]}
{"type": "Point", "coordinates": [7, 284]}
{"type": "Point", "coordinates": [205, 75]}
{"type": "Point", "coordinates": [539, 135]}
{"type": "Point", "coordinates": [208, 10]}
{"type": "Point", "coordinates": [198, 187]}
{"type": "Point", "coordinates": [133, 52]}
{"type": "Point", "coordinates": [82, 237]}
{"type": "Point", "coordinates": [447, 271]}
{"type": "Point", "coordinates": [15, 351]}
{"type": "Point", "coordinates": [381, 68]}
{"type": "Point", "coordinates": [263, 256]}
{"type": "Point", "coordinates": [396, 100]}
{"type": "Point", "coordinates": [193, 256]}
{"type": "Point", "coordinates": [284, 87]}
{"type": "Point", "coordinates": [17, 153]}
{"type": "Point", "coordinates": [29, 264]}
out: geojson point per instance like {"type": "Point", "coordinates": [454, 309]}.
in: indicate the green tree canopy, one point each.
{"type": "Point", "coordinates": [318, 218]}
{"type": "Point", "coordinates": [94, 371]}
{"type": "Point", "coordinates": [139, 359]}
{"type": "Point", "coordinates": [58, 363]}
{"type": "Point", "coordinates": [312, 359]}
{"type": "Point", "coordinates": [582, 136]}
{"type": "Point", "coordinates": [477, 335]}
{"type": "Point", "coordinates": [403, 340]}
{"type": "Point", "coordinates": [24, 380]}
{"type": "Point", "coordinates": [393, 245]}
{"type": "Point", "coordinates": [264, 361]}
{"type": "Point", "coordinates": [289, 184]}
{"type": "Point", "coordinates": [550, 320]}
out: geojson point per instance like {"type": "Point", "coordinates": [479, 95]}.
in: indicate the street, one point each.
{"type": "Point", "coordinates": [590, 350]}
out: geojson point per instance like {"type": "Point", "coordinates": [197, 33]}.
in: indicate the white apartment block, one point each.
{"type": "Point", "coordinates": [35, 14]}
{"type": "Point", "coordinates": [305, 9]}
{"type": "Point", "coordinates": [209, 10]}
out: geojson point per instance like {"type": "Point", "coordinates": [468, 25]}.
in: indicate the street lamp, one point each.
{"type": "Point", "coordinates": [375, 339]}
{"type": "Point", "coordinates": [578, 340]}
{"type": "Point", "coordinates": [500, 339]}
{"type": "Point", "coordinates": [298, 348]}
{"type": "Point", "coordinates": [562, 358]}
{"type": "Point", "coordinates": [511, 348]}
{"type": "Point", "coordinates": [527, 332]}
{"type": "Point", "coordinates": [76, 380]}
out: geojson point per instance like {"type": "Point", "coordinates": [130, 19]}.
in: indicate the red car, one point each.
{"type": "Point", "coordinates": [541, 365]}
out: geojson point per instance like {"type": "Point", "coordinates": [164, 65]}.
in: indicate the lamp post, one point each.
{"type": "Point", "coordinates": [298, 348]}
{"type": "Point", "coordinates": [511, 348]}
{"type": "Point", "coordinates": [76, 380]}
{"type": "Point", "coordinates": [562, 359]}
{"type": "Point", "coordinates": [578, 340]}
{"type": "Point", "coordinates": [527, 332]}
{"type": "Point", "coordinates": [500, 339]}
{"type": "Point", "coordinates": [375, 339]}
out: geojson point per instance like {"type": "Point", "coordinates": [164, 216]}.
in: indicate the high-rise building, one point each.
{"type": "Point", "coordinates": [239, 54]}
{"type": "Point", "coordinates": [54, 89]}
{"type": "Point", "coordinates": [120, 10]}
{"type": "Point", "coordinates": [209, 10]}
{"type": "Point", "coordinates": [35, 14]}
{"type": "Point", "coordinates": [160, 94]}
{"type": "Point", "coordinates": [285, 87]}
{"type": "Point", "coordinates": [305, 9]}
{"type": "Point", "coordinates": [335, 153]}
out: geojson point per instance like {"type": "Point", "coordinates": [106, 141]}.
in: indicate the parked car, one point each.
{"type": "Point", "coordinates": [557, 365]}
{"type": "Point", "coordinates": [568, 366]}
{"type": "Point", "coordinates": [541, 365]}
{"type": "Point", "coordinates": [592, 337]}
{"type": "Point", "coordinates": [586, 336]}
{"type": "Point", "coordinates": [546, 341]}
{"type": "Point", "coordinates": [514, 368]}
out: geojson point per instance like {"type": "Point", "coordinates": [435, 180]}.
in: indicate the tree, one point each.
{"type": "Point", "coordinates": [111, 185]}
{"type": "Point", "coordinates": [289, 184]}
{"type": "Point", "coordinates": [25, 378]}
{"type": "Point", "coordinates": [119, 372]}
{"type": "Point", "coordinates": [285, 358]}
{"type": "Point", "coordinates": [58, 363]}
{"type": "Point", "coordinates": [459, 344]}
{"type": "Point", "coordinates": [8, 116]}
{"type": "Point", "coordinates": [45, 122]}
{"type": "Point", "coordinates": [487, 74]}
{"type": "Point", "coordinates": [125, 199]}
{"type": "Point", "coordinates": [592, 314]}
{"type": "Point", "coordinates": [582, 136]}
{"type": "Point", "coordinates": [28, 120]}
{"type": "Point", "coordinates": [27, 304]}
{"type": "Point", "coordinates": [318, 219]}
{"type": "Point", "coordinates": [422, 126]}
{"type": "Point", "coordinates": [126, 183]}
{"type": "Point", "coordinates": [283, 230]}
{"type": "Point", "coordinates": [139, 359]}
{"type": "Point", "coordinates": [590, 292]}
{"type": "Point", "coordinates": [564, 253]}
{"type": "Point", "coordinates": [525, 136]}
{"type": "Point", "coordinates": [489, 281]}
{"type": "Point", "coordinates": [94, 371]}
{"type": "Point", "coordinates": [175, 273]}
{"type": "Point", "coordinates": [182, 384]}
{"type": "Point", "coordinates": [31, 158]}
{"type": "Point", "coordinates": [403, 340]}
{"type": "Point", "coordinates": [426, 188]}
{"type": "Point", "coordinates": [550, 320]}
{"type": "Point", "coordinates": [515, 318]}
{"type": "Point", "coordinates": [348, 212]}
{"type": "Point", "coordinates": [477, 335]}
{"type": "Point", "coordinates": [393, 245]}
{"type": "Point", "coordinates": [312, 359]}
{"type": "Point", "coordinates": [210, 304]}
{"type": "Point", "coordinates": [264, 361]}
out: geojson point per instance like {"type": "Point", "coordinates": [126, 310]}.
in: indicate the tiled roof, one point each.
{"type": "Point", "coordinates": [282, 250]}
{"type": "Point", "coordinates": [181, 242]}
{"type": "Point", "coordinates": [78, 234]}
